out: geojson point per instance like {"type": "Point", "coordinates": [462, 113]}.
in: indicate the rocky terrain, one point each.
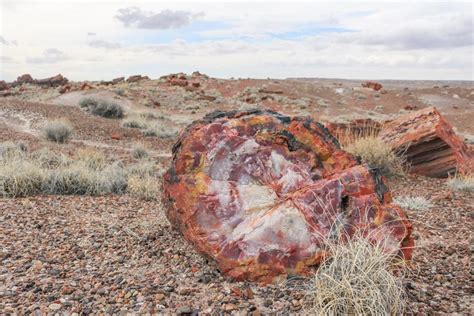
{"type": "Point", "coordinates": [119, 254]}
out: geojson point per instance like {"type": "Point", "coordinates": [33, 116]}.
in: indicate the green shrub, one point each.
{"type": "Point", "coordinates": [102, 108]}
{"type": "Point", "coordinates": [58, 131]}
{"type": "Point", "coordinates": [108, 110]}
{"type": "Point", "coordinates": [88, 103]}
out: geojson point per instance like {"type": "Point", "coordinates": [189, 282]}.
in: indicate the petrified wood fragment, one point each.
{"type": "Point", "coordinates": [429, 144]}
{"type": "Point", "coordinates": [259, 192]}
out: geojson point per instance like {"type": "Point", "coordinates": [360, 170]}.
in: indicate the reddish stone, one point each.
{"type": "Point", "coordinates": [410, 107]}
{"type": "Point", "coordinates": [178, 82]}
{"type": "Point", "coordinates": [259, 192]}
{"type": "Point", "coordinates": [65, 88]}
{"type": "Point", "coordinates": [196, 84]}
{"type": "Point", "coordinates": [429, 144]}
{"type": "Point", "coordinates": [118, 80]}
{"type": "Point", "coordinates": [54, 81]}
{"type": "Point", "coordinates": [26, 78]}
{"type": "Point", "coordinates": [116, 136]}
{"type": "Point", "coordinates": [136, 78]}
{"type": "Point", "coordinates": [85, 86]}
{"type": "Point", "coordinates": [4, 85]}
{"type": "Point", "coordinates": [372, 85]}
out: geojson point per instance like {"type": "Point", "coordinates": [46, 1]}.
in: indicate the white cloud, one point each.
{"type": "Point", "coordinates": [166, 19]}
{"type": "Point", "coordinates": [104, 44]}
{"type": "Point", "coordinates": [350, 40]}
{"type": "Point", "coordinates": [49, 56]}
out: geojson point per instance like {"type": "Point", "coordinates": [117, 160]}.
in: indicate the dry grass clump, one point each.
{"type": "Point", "coordinates": [44, 171]}
{"type": "Point", "coordinates": [146, 188]}
{"type": "Point", "coordinates": [139, 151]}
{"type": "Point", "coordinates": [148, 123]}
{"type": "Point", "coordinates": [20, 177]}
{"type": "Point", "coordinates": [161, 131]}
{"type": "Point", "coordinates": [462, 182]}
{"type": "Point", "coordinates": [89, 172]}
{"type": "Point", "coordinates": [376, 153]}
{"type": "Point", "coordinates": [144, 180]}
{"type": "Point", "coordinates": [135, 122]}
{"type": "Point", "coordinates": [357, 279]}
{"type": "Point", "coordinates": [58, 131]}
{"type": "Point", "coordinates": [417, 203]}
{"type": "Point", "coordinates": [80, 178]}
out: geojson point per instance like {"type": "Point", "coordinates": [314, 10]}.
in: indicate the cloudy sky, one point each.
{"type": "Point", "coordinates": [97, 40]}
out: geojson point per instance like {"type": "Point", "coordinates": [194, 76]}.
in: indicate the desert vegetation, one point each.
{"type": "Point", "coordinates": [357, 279]}
{"type": "Point", "coordinates": [151, 124]}
{"type": "Point", "coordinates": [58, 131]}
{"type": "Point", "coordinates": [89, 172]}
{"type": "Point", "coordinates": [417, 203]}
{"type": "Point", "coordinates": [102, 108]}
{"type": "Point", "coordinates": [462, 182]}
{"type": "Point", "coordinates": [377, 153]}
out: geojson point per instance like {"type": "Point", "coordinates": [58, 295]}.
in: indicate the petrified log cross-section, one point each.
{"type": "Point", "coordinates": [259, 192]}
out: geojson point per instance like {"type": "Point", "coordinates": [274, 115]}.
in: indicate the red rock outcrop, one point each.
{"type": "Point", "coordinates": [136, 78]}
{"type": "Point", "coordinates": [118, 80]}
{"type": "Point", "coordinates": [372, 85]}
{"type": "Point", "coordinates": [26, 78]}
{"type": "Point", "coordinates": [429, 144]}
{"type": "Point", "coordinates": [178, 82]}
{"type": "Point", "coordinates": [54, 81]}
{"type": "Point", "coordinates": [4, 85]}
{"type": "Point", "coordinates": [259, 192]}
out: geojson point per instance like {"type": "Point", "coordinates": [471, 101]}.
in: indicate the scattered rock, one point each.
{"type": "Point", "coordinates": [372, 85]}
{"type": "Point", "coordinates": [135, 78]}
{"type": "Point", "coordinates": [118, 80]}
{"type": "Point", "coordinates": [4, 85]}
{"type": "Point", "coordinates": [54, 81]}
{"type": "Point", "coordinates": [26, 78]}
{"type": "Point", "coordinates": [178, 82]}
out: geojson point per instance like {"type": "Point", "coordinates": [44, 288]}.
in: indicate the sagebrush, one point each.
{"type": "Point", "coordinates": [58, 131]}
{"type": "Point", "coordinates": [102, 108]}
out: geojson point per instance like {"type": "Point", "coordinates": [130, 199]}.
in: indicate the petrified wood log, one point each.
{"type": "Point", "coordinates": [429, 144]}
{"type": "Point", "coordinates": [260, 192]}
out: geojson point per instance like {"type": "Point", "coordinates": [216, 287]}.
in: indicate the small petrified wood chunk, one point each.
{"type": "Point", "coordinates": [260, 192]}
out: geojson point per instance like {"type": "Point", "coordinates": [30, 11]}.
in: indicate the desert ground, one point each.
{"type": "Point", "coordinates": [118, 254]}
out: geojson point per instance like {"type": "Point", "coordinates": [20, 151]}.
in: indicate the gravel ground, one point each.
{"type": "Point", "coordinates": [117, 254]}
